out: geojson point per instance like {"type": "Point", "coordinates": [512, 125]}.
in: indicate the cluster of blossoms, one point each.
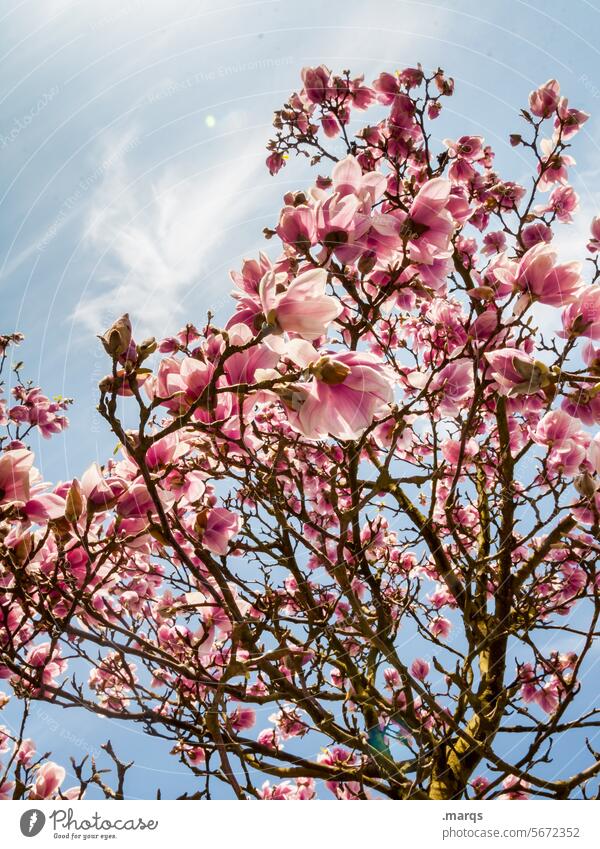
{"type": "Point", "coordinates": [34, 777]}
{"type": "Point", "coordinates": [342, 516]}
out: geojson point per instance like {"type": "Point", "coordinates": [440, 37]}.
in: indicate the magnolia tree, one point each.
{"type": "Point", "coordinates": [349, 545]}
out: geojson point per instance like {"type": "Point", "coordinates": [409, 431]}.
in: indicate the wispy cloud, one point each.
{"type": "Point", "coordinates": [155, 235]}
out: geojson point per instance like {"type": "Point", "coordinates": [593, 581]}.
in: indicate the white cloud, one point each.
{"type": "Point", "coordinates": [155, 235]}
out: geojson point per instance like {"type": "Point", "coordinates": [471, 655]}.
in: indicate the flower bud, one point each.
{"type": "Point", "coordinates": [585, 485]}
{"type": "Point", "coordinates": [74, 503]}
{"type": "Point", "coordinates": [117, 338]}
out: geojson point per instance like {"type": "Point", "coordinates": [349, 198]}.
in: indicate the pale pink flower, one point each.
{"type": "Point", "coordinates": [553, 167]}
{"type": "Point", "coordinates": [348, 391]}
{"type": "Point", "coordinates": [48, 779]}
{"type": "Point", "coordinates": [221, 526]}
{"type": "Point", "coordinates": [514, 788]}
{"type": "Point", "coordinates": [15, 468]}
{"type": "Point", "coordinates": [420, 669]}
{"type": "Point", "coordinates": [269, 737]}
{"type": "Point", "coordinates": [543, 101]}
{"type": "Point", "coordinates": [137, 501]}
{"type": "Point", "coordinates": [594, 244]}
{"type": "Point", "coordinates": [297, 226]}
{"type": "Point", "coordinates": [543, 280]}
{"type": "Point", "coordinates": [455, 384]}
{"type": "Point", "coordinates": [563, 201]}
{"type": "Point", "coordinates": [429, 225]}
{"type": "Point", "coordinates": [6, 788]}
{"type": "Point", "coordinates": [301, 307]}
{"type": "Point", "coordinates": [440, 627]}
{"type": "Point", "coordinates": [582, 316]}
{"type": "Point", "coordinates": [556, 428]}
{"type": "Point", "coordinates": [569, 119]}
{"type": "Point", "coordinates": [516, 373]}
{"type": "Point", "coordinates": [101, 493]}
{"type": "Point", "coordinates": [25, 751]}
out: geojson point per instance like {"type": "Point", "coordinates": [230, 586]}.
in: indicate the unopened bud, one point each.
{"type": "Point", "coordinates": [585, 485]}
{"type": "Point", "coordinates": [74, 503]}
{"type": "Point", "coordinates": [147, 347]}
{"type": "Point", "coordinates": [117, 338]}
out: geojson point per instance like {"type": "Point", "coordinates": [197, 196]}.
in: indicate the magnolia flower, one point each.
{"type": "Point", "coordinates": [419, 669]}
{"type": "Point", "coordinates": [556, 428]}
{"type": "Point", "coordinates": [517, 373]}
{"type": "Point", "coordinates": [302, 307]}
{"type": "Point", "coordinates": [429, 225]}
{"type": "Point", "coordinates": [544, 100]}
{"type": "Point", "coordinates": [440, 627]}
{"type": "Point", "coordinates": [101, 493]}
{"type": "Point", "coordinates": [593, 245]}
{"type": "Point", "coordinates": [137, 501]}
{"type": "Point", "coordinates": [543, 280]}
{"type": "Point", "coordinates": [582, 317]}
{"type": "Point", "coordinates": [316, 83]}
{"type": "Point", "coordinates": [348, 391]}
{"type": "Point", "coordinates": [48, 779]}
{"type": "Point", "coordinates": [217, 527]}
{"type": "Point", "coordinates": [455, 384]}
{"type": "Point", "coordinates": [15, 468]}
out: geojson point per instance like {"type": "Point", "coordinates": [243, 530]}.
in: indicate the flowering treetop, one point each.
{"type": "Point", "coordinates": [350, 544]}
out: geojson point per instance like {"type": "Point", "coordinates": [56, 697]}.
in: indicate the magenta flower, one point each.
{"type": "Point", "coordinates": [316, 83]}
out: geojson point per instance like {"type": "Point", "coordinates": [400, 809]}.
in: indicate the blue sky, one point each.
{"type": "Point", "coordinates": [132, 138]}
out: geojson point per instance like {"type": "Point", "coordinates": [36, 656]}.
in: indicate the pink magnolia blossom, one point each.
{"type": "Point", "coordinates": [594, 244]}
{"type": "Point", "coordinates": [420, 669]}
{"type": "Point", "coordinates": [582, 316]}
{"type": "Point", "coordinates": [348, 391]}
{"type": "Point", "coordinates": [48, 779]}
{"type": "Point", "coordinates": [455, 384]}
{"type": "Point", "coordinates": [220, 528]}
{"type": "Point", "coordinates": [544, 100]}
{"type": "Point", "coordinates": [25, 751]}
{"type": "Point", "coordinates": [242, 718]}
{"type": "Point", "coordinates": [15, 468]}
{"type": "Point", "coordinates": [543, 280]}
{"type": "Point", "coordinates": [440, 627]}
{"type": "Point", "coordinates": [429, 225]}
{"type": "Point", "coordinates": [516, 373]}
{"type": "Point", "coordinates": [316, 83]}
{"type": "Point", "coordinates": [302, 307]}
